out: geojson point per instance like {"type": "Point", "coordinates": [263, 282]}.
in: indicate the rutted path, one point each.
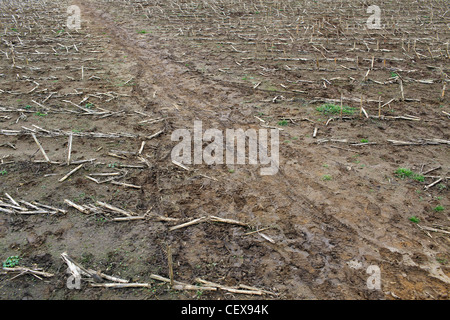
{"type": "Point", "coordinates": [315, 245]}
{"type": "Point", "coordinates": [325, 235]}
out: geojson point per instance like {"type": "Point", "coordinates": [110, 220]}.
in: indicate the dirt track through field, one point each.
{"type": "Point", "coordinates": [326, 232]}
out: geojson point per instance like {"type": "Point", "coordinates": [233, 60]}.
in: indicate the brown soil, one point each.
{"type": "Point", "coordinates": [334, 208]}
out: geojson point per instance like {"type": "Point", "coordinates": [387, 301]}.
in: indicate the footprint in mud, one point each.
{"type": "Point", "coordinates": [372, 209]}
{"type": "Point", "coordinates": [34, 240]}
{"type": "Point", "coordinates": [317, 261]}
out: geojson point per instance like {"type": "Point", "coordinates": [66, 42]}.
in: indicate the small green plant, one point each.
{"type": "Point", "coordinates": [364, 140]}
{"type": "Point", "coordinates": [3, 172]}
{"type": "Point", "coordinates": [283, 123]}
{"type": "Point", "coordinates": [113, 165]}
{"type": "Point", "coordinates": [414, 219]}
{"type": "Point", "coordinates": [231, 171]}
{"type": "Point", "coordinates": [404, 173]}
{"type": "Point", "coordinates": [439, 208]}
{"type": "Point", "coordinates": [40, 114]}
{"type": "Point", "coordinates": [328, 109]}
{"type": "Point", "coordinates": [394, 75]}
{"type": "Point", "coordinates": [101, 219]}
{"type": "Point", "coordinates": [441, 260]}
{"type": "Point", "coordinates": [11, 262]}
{"type": "Point", "coordinates": [441, 186]}
{"type": "Point", "coordinates": [89, 105]}
{"type": "Point", "coordinates": [27, 107]}
{"type": "Point", "coordinates": [418, 177]}
{"type": "Point", "coordinates": [142, 32]}
{"type": "Point", "coordinates": [327, 177]}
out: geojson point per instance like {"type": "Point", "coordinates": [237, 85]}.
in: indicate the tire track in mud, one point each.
{"type": "Point", "coordinates": [316, 243]}
{"type": "Point", "coordinates": [153, 69]}
{"type": "Point", "coordinates": [165, 82]}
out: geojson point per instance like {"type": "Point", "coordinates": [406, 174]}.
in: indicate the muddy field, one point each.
{"type": "Point", "coordinates": [362, 115]}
